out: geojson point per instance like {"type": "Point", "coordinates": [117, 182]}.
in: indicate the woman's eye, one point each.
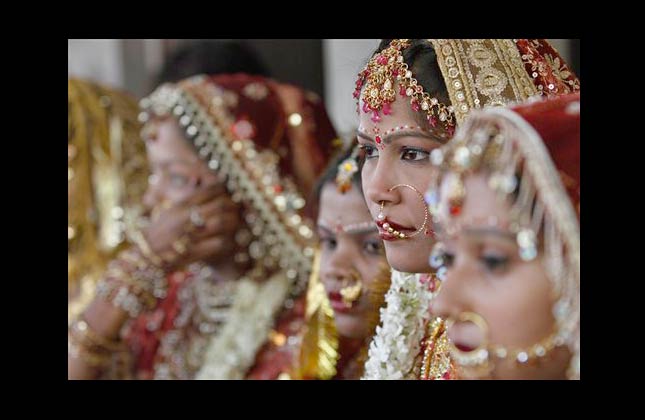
{"type": "Point", "coordinates": [448, 259]}
{"type": "Point", "coordinates": [494, 263]}
{"type": "Point", "coordinates": [369, 151]}
{"type": "Point", "coordinates": [414, 154]}
{"type": "Point", "coordinates": [328, 243]}
{"type": "Point", "coordinates": [373, 247]}
{"type": "Point", "coordinates": [178, 180]}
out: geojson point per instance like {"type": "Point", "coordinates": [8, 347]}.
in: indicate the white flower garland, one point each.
{"type": "Point", "coordinates": [398, 339]}
{"type": "Point", "coordinates": [231, 353]}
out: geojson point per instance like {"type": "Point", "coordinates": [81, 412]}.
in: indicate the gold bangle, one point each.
{"type": "Point", "coordinates": [144, 296]}
{"type": "Point", "coordinates": [85, 344]}
{"type": "Point", "coordinates": [87, 356]}
{"type": "Point", "coordinates": [133, 286]}
{"type": "Point", "coordinates": [89, 338]}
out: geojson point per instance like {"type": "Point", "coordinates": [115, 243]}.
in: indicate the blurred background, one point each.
{"type": "Point", "coordinates": [325, 66]}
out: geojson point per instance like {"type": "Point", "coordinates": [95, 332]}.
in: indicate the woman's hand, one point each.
{"type": "Point", "coordinates": [200, 227]}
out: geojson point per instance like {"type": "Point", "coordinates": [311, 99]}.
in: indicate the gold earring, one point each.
{"type": "Point", "coordinates": [351, 293]}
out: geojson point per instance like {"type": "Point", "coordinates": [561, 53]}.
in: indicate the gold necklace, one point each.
{"type": "Point", "coordinates": [436, 363]}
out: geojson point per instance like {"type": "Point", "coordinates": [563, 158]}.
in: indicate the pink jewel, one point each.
{"type": "Point", "coordinates": [387, 110]}
{"type": "Point", "coordinates": [375, 117]}
{"type": "Point", "coordinates": [382, 60]}
{"type": "Point", "coordinates": [402, 90]}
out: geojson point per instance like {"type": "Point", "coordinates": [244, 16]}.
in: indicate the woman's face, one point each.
{"type": "Point", "coordinates": [403, 159]}
{"type": "Point", "coordinates": [350, 250]}
{"type": "Point", "coordinates": [176, 170]}
{"type": "Point", "coordinates": [485, 275]}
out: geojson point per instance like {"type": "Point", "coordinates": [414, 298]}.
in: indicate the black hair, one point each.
{"type": "Point", "coordinates": [329, 177]}
{"type": "Point", "coordinates": [211, 57]}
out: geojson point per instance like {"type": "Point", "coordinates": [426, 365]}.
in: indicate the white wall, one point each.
{"type": "Point", "coordinates": [343, 59]}
{"type": "Point", "coordinates": [96, 59]}
{"type": "Point", "coordinates": [120, 63]}
{"type": "Point", "coordinates": [563, 47]}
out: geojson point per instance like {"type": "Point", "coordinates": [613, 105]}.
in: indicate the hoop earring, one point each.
{"type": "Point", "coordinates": [477, 360]}
{"type": "Point", "coordinates": [425, 215]}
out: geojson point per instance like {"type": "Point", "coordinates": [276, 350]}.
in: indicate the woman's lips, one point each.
{"type": "Point", "coordinates": [464, 347]}
{"type": "Point", "coordinates": [383, 226]}
{"type": "Point", "coordinates": [337, 304]}
{"type": "Point", "coordinates": [463, 339]}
